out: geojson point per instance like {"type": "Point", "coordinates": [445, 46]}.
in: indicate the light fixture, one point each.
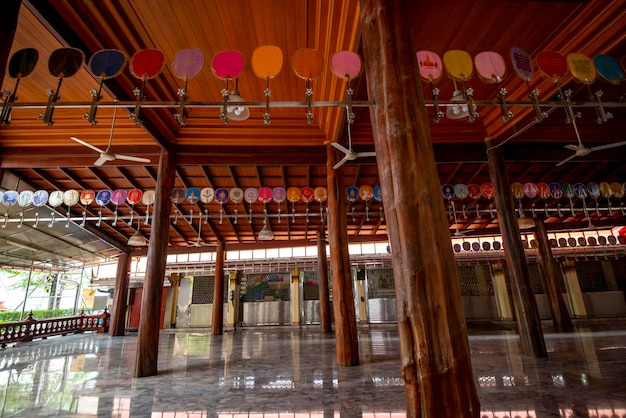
{"type": "Point", "coordinates": [237, 112]}
{"type": "Point", "coordinates": [137, 239]}
{"type": "Point", "coordinates": [459, 111]}
{"type": "Point", "coordinates": [266, 234]}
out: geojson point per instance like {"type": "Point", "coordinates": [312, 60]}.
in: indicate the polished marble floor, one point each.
{"type": "Point", "coordinates": [291, 372]}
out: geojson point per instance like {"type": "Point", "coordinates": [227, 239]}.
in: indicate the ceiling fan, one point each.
{"type": "Point", "coordinates": [581, 150]}
{"type": "Point", "coordinates": [106, 155]}
{"type": "Point", "coordinates": [350, 155]}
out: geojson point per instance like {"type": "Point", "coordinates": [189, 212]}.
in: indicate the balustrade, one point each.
{"type": "Point", "coordinates": [31, 328]}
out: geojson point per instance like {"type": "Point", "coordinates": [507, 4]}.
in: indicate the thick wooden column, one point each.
{"type": "Point", "coordinates": [524, 302]}
{"type": "Point", "coordinates": [346, 340]}
{"type": "Point", "coordinates": [217, 322]}
{"type": "Point", "coordinates": [148, 334]}
{"type": "Point", "coordinates": [117, 326]}
{"type": "Point", "coordinates": [322, 283]}
{"type": "Point", "coordinates": [434, 349]}
{"type": "Point", "coordinates": [550, 274]}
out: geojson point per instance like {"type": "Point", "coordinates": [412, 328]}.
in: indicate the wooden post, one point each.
{"type": "Point", "coordinates": [322, 283]}
{"type": "Point", "coordinates": [524, 302]}
{"type": "Point", "coordinates": [175, 283]}
{"type": "Point", "coordinates": [434, 349]}
{"type": "Point", "coordinates": [217, 322]}
{"type": "Point", "coordinates": [120, 297]}
{"type": "Point", "coordinates": [148, 334]}
{"type": "Point", "coordinates": [549, 273]}
{"type": "Point", "coordinates": [346, 340]}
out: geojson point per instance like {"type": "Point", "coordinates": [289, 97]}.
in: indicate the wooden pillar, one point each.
{"type": "Point", "coordinates": [148, 334]}
{"type": "Point", "coordinates": [117, 326]}
{"type": "Point", "coordinates": [503, 303]}
{"type": "Point", "coordinates": [175, 282]}
{"type": "Point", "coordinates": [217, 322]}
{"type": "Point", "coordinates": [361, 296]}
{"type": "Point", "coordinates": [346, 339]}
{"type": "Point", "coordinates": [322, 283]}
{"type": "Point", "coordinates": [574, 294]}
{"type": "Point", "coordinates": [233, 299]}
{"type": "Point", "coordinates": [524, 302]}
{"type": "Point", "coordinates": [434, 348]}
{"type": "Point", "coordinates": [294, 296]}
{"type": "Point", "coordinates": [560, 316]}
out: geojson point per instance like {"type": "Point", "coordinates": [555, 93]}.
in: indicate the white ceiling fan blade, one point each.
{"type": "Point", "coordinates": [340, 163]}
{"type": "Point", "coordinates": [566, 160]}
{"type": "Point", "coordinates": [340, 147]}
{"type": "Point", "coordinates": [131, 158]}
{"type": "Point", "coordinates": [572, 147]}
{"type": "Point", "coordinates": [615, 144]}
{"type": "Point", "coordinates": [88, 145]}
{"type": "Point", "coordinates": [103, 159]}
{"type": "Point", "coordinates": [366, 154]}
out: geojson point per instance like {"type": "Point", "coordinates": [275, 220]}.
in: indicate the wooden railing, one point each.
{"type": "Point", "coordinates": [31, 328]}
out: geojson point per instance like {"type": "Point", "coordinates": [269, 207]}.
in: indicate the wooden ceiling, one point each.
{"type": "Point", "coordinates": [289, 152]}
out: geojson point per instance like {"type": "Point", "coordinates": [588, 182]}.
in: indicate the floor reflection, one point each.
{"type": "Point", "coordinates": [291, 372]}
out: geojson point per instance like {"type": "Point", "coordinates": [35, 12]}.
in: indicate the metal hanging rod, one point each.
{"type": "Point", "coordinates": [287, 104]}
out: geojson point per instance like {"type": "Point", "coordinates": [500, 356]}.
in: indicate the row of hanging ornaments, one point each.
{"type": "Point", "coordinates": [264, 195]}
{"type": "Point", "coordinates": [491, 69]}
{"type": "Point", "coordinates": [541, 190]}
{"type": "Point", "coordinates": [192, 195]}
{"type": "Point", "coordinates": [266, 63]}
{"type": "Point", "coordinates": [308, 64]}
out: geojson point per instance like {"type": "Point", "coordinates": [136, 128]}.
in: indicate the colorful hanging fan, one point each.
{"type": "Point", "coordinates": [321, 195]}
{"type": "Point", "coordinates": [251, 195]}
{"type": "Point", "coordinates": [431, 69]}
{"type": "Point", "coordinates": [608, 69]}
{"type": "Point", "coordinates": [366, 193]}
{"type": "Point", "coordinates": [307, 194]}
{"type": "Point", "coordinates": [221, 197]}
{"type": "Point", "coordinates": [279, 194]}
{"type": "Point", "coordinates": [473, 191]}
{"type": "Point", "coordinates": [70, 198]}
{"type": "Point", "coordinates": [102, 198]}
{"type": "Point", "coordinates": [104, 64]}
{"type": "Point", "coordinates": [63, 63]}
{"type": "Point", "coordinates": [144, 65]}
{"type": "Point", "coordinates": [187, 64]}
{"type": "Point", "coordinates": [491, 70]}
{"type": "Point", "coordinates": [307, 64]}
{"type": "Point", "coordinates": [148, 198]}
{"type": "Point", "coordinates": [133, 197]}
{"type": "Point", "coordinates": [193, 196]}
{"type": "Point", "coordinates": [236, 196]}
{"type": "Point", "coordinates": [21, 65]}
{"type": "Point", "coordinates": [584, 71]}
{"type": "Point", "coordinates": [347, 65]}
{"type": "Point", "coordinates": [293, 195]}
{"type": "Point", "coordinates": [177, 196]}
{"type": "Point", "coordinates": [459, 67]}
{"type": "Point", "coordinates": [267, 62]}
{"type": "Point", "coordinates": [9, 199]}
{"type": "Point", "coordinates": [118, 197]}
{"type": "Point", "coordinates": [25, 200]}
{"type": "Point", "coordinates": [55, 199]}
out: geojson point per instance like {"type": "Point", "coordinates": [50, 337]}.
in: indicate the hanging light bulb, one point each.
{"type": "Point", "coordinates": [237, 112]}
{"type": "Point", "coordinates": [459, 111]}
{"type": "Point", "coordinates": [266, 234]}
{"type": "Point", "coordinates": [137, 239]}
